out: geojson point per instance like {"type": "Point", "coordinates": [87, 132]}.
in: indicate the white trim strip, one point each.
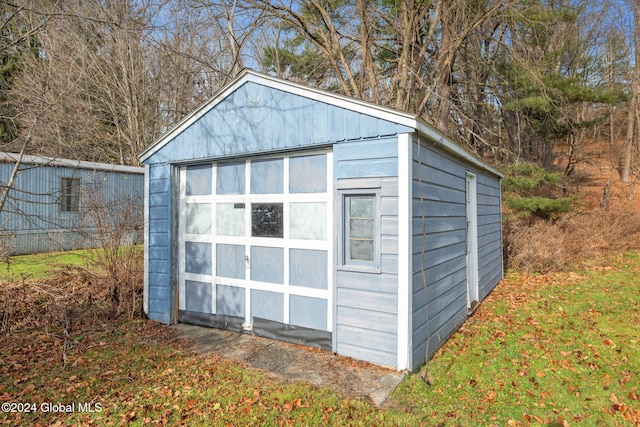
{"type": "Point", "coordinates": [182, 300]}
{"type": "Point", "coordinates": [404, 250]}
{"type": "Point", "coordinates": [76, 164]}
{"type": "Point", "coordinates": [331, 235]}
{"type": "Point", "coordinates": [438, 138]}
{"type": "Point", "coordinates": [145, 293]}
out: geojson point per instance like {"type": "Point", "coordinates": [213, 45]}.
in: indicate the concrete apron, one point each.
{"type": "Point", "coordinates": [348, 377]}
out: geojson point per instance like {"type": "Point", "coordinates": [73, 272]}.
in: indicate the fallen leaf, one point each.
{"type": "Point", "coordinates": [28, 389]}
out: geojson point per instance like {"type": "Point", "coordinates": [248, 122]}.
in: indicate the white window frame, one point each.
{"type": "Point", "coordinates": [344, 263]}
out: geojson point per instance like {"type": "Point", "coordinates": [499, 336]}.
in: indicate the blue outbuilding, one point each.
{"type": "Point", "coordinates": [293, 213]}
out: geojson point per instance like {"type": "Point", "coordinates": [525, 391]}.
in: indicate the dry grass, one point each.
{"type": "Point", "coordinates": [71, 296]}
{"type": "Point", "coordinates": [543, 246]}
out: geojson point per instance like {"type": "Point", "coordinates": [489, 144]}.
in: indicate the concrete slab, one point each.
{"type": "Point", "coordinates": [348, 377]}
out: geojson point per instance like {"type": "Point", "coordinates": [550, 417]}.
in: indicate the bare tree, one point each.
{"type": "Point", "coordinates": [633, 119]}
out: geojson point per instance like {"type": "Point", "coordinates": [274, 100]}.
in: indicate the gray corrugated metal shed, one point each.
{"type": "Point", "coordinates": [45, 208]}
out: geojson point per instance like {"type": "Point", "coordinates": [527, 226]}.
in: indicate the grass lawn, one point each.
{"type": "Point", "coordinates": [39, 265]}
{"type": "Point", "coordinates": [552, 350]}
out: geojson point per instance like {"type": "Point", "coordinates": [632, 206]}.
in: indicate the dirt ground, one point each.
{"type": "Point", "coordinates": [292, 362]}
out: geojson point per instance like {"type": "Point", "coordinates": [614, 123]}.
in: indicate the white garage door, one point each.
{"type": "Point", "coordinates": [255, 240]}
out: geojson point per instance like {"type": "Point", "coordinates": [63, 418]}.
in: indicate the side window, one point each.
{"type": "Point", "coordinates": [360, 211]}
{"type": "Point", "coordinates": [69, 194]}
{"type": "Point", "coordinates": [360, 246]}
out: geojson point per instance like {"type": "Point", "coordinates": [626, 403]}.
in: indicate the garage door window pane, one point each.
{"type": "Point", "coordinates": [230, 178]}
{"type": "Point", "coordinates": [198, 258]}
{"type": "Point", "coordinates": [230, 219]}
{"type": "Point", "coordinates": [266, 220]}
{"type": "Point", "coordinates": [308, 174]}
{"type": "Point", "coordinates": [309, 221]}
{"type": "Point", "coordinates": [198, 180]}
{"type": "Point", "coordinates": [267, 176]}
{"type": "Point", "coordinates": [198, 218]}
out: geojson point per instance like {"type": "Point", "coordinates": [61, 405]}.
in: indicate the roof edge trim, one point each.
{"type": "Point", "coordinates": [440, 139]}
{"type": "Point", "coordinates": [76, 164]}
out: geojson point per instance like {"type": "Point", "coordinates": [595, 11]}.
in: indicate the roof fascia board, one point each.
{"type": "Point", "coordinates": [76, 164]}
{"type": "Point", "coordinates": [444, 142]}
{"type": "Point", "coordinates": [334, 99]}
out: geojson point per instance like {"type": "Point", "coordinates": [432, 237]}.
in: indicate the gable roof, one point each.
{"type": "Point", "coordinates": [356, 105]}
{"type": "Point", "coordinates": [68, 163]}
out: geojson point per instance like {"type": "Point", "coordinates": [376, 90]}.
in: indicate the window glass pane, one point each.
{"type": "Point", "coordinates": [361, 250]}
{"type": "Point", "coordinates": [198, 296]}
{"type": "Point", "coordinates": [230, 261]}
{"type": "Point", "coordinates": [70, 194]}
{"type": "Point", "coordinates": [308, 268]}
{"type": "Point", "coordinates": [230, 219]}
{"type": "Point", "coordinates": [198, 180]}
{"type": "Point", "coordinates": [361, 207]}
{"type": "Point", "coordinates": [361, 228]}
{"type": "Point", "coordinates": [308, 174]}
{"type": "Point", "coordinates": [267, 176]}
{"type": "Point", "coordinates": [266, 220]}
{"type": "Point", "coordinates": [230, 178]}
{"type": "Point", "coordinates": [360, 239]}
{"type": "Point", "coordinates": [198, 258]}
{"type": "Point", "coordinates": [198, 218]}
{"type": "Point", "coordinates": [309, 221]}
{"type": "Point", "coordinates": [267, 264]}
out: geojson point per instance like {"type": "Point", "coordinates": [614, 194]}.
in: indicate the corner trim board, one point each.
{"type": "Point", "coordinates": [405, 142]}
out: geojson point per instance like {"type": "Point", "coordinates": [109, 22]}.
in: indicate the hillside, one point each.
{"type": "Point", "coordinates": [590, 232]}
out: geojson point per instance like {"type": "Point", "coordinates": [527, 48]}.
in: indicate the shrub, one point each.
{"type": "Point", "coordinates": [529, 189]}
{"type": "Point", "coordinates": [542, 207]}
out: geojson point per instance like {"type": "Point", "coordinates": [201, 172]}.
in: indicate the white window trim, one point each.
{"type": "Point", "coordinates": [358, 266]}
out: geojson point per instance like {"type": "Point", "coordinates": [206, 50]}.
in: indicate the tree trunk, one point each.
{"type": "Point", "coordinates": [632, 124]}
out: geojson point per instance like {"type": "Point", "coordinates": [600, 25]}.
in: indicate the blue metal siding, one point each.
{"type": "Point", "coordinates": [32, 211]}
{"type": "Point", "coordinates": [439, 245]}
{"type": "Point", "coordinates": [367, 302]}
{"type": "Point", "coordinates": [490, 270]}
{"type": "Point", "coordinates": [159, 243]}
{"type": "Point", "coordinates": [257, 119]}
{"type": "Point", "coordinates": [366, 159]}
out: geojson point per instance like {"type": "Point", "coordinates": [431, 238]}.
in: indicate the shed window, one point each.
{"type": "Point", "coordinates": [69, 194]}
{"type": "Point", "coordinates": [360, 221]}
